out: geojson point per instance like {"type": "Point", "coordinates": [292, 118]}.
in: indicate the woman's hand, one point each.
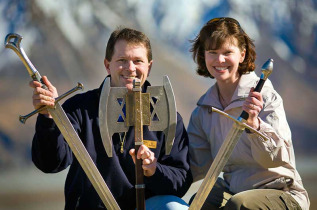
{"type": "Point", "coordinates": [149, 161]}
{"type": "Point", "coordinates": [253, 106]}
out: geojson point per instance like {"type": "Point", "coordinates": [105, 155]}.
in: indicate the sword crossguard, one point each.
{"type": "Point", "coordinates": [23, 118]}
{"type": "Point", "coordinates": [241, 124]}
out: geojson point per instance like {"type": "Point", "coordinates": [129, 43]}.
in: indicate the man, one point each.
{"type": "Point", "coordinates": [167, 177]}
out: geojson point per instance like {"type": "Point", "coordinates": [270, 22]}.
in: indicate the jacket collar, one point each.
{"type": "Point", "coordinates": [211, 97]}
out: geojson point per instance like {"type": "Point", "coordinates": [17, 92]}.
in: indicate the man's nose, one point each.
{"type": "Point", "coordinates": [131, 66]}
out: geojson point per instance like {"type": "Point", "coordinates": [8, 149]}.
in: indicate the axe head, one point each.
{"type": "Point", "coordinates": [163, 116]}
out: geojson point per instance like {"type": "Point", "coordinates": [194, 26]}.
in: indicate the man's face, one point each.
{"type": "Point", "coordinates": [129, 62]}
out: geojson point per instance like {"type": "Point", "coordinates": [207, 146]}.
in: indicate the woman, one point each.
{"type": "Point", "coordinates": [258, 174]}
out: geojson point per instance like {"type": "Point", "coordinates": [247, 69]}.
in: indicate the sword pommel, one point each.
{"type": "Point", "coordinates": [13, 44]}
{"type": "Point", "coordinates": [267, 69]}
{"type": "Point", "coordinates": [13, 41]}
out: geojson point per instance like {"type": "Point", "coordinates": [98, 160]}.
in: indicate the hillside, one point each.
{"type": "Point", "coordinates": [66, 41]}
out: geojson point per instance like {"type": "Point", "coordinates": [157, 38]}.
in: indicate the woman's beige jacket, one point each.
{"type": "Point", "coordinates": [253, 163]}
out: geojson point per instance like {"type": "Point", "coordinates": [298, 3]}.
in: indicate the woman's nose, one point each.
{"type": "Point", "coordinates": [221, 58]}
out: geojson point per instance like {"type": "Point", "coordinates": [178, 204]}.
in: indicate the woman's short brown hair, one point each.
{"type": "Point", "coordinates": [213, 35]}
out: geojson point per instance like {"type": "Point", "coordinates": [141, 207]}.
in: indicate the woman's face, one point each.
{"type": "Point", "coordinates": [223, 63]}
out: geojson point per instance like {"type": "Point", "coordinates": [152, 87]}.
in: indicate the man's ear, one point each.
{"type": "Point", "coordinates": [107, 65]}
{"type": "Point", "coordinates": [150, 67]}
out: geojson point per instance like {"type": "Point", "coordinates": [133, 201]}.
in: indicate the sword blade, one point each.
{"type": "Point", "coordinates": [217, 165]}
{"type": "Point", "coordinates": [82, 156]}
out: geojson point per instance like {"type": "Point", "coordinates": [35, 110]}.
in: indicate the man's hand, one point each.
{"type": "Point", "coordinates": [149, 161]}
{"type": "Point", "coordinates": [42, 97]}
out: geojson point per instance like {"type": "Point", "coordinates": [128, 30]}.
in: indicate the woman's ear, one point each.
{"type": "Point", "coordinates": [242, 55]}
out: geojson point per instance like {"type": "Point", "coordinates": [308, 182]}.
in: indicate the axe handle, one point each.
{"type": "Point", "coordinates": [138, 138]}
{"type": "Point", "coordinates": [258, 88]}
{"type": "Point", "coordinates": [140, 198]}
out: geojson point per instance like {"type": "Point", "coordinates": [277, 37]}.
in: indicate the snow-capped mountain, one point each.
{"type": "Point", "coordinates": [66, 40]}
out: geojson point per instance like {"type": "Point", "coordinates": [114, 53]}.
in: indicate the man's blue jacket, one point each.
{"type": "Point", "coordinates": [51, 154]}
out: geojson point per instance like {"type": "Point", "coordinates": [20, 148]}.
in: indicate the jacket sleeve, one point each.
{"type": "Point", "coordinates": [278, 150]}
{"type": "Point", "coordinates": [50, 152]}
{"type": "Point", "coordinates": [199, 147]}
{"type": "Point", "coordinates": [172, 175]}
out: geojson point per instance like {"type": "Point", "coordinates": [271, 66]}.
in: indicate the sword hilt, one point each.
{"type": "Point", "coordinates": [242, 124]}
{"type": "Point", "coordinates": [23, 119]}
{"type": "Point", "coordinates": [13, 41]}
{"type": "Point", "coordinates": [267, 69]}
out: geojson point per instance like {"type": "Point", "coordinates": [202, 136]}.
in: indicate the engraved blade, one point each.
{"type": "Point", "coordinates": [217, 165]}
{"type": "Point", "coordinates": [82, 156]}
{"type": "Point", "coordinates": [165, 110]}
{"type": "Point", "coordinates": [109, 111]}
{"type": "Point", "coordinates": [172, 115]}
{"type": "Point", "coordinates": [103, 124]}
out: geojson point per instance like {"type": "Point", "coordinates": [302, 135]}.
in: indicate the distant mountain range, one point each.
{"type": "Point", "coordinates": [66, 41]}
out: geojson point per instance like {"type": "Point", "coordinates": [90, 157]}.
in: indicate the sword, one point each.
{"type": "Point", "coordinates": [229, 143]}
{"type": "Point", "coordinates": [66, 128]}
